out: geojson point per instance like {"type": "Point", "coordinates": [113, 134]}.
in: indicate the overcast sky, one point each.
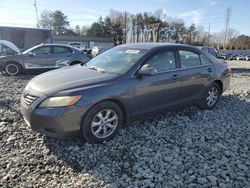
{"type": "Point", "coordinates": [84, 12]}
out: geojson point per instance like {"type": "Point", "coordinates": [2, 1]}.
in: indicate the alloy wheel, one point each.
{"type": "Point", "coordinates": [12, 69]}
{"type": "Point", "coordinates": [212, 96]}
{"type": "Point", "coordinates": [104, 123]}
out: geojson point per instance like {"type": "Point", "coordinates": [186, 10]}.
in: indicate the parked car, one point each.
{"type": "Point", "coordinates": [123, 83]}
{"type": "Point", "coordinates": [228, 56]}
{"type": "Point", "coordinates": [78, 45]}
{"type": "Point", "coordinates": [8, 48]}
{"type": "Point", "coordinates": [225, 56]}
{"type": "Point", "coordinates": [42, 58]}
{"type": "Point", "coordinates": [247, 57]}
{"type": "Point", "coordinates": [240, 57]}
{"type": "Point", "coordinates": [234, 57]}
{"type": "Point", "coordinates": [95, 51]}
{"type": "Point", "coordinates": [210, 50]}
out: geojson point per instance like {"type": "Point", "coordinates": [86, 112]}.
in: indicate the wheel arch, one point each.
{"type": "Point", "coordinates": [117, 102]}
{"type": "Point", "coordinates": [220, 84]}
{"type": "Point", "coordinates": [22, 68]}
{"type": "Point", "coordinates": [75, 62]}
{"type": "Point", "coordinates": [20, 64]}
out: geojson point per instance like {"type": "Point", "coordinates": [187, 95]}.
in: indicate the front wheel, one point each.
{"type": "Point", "coordinates": [102, 122]}
{"type": "Point", "coordinates": [12, 69]}
{"type": "Point", "coordinates": [210, 97]}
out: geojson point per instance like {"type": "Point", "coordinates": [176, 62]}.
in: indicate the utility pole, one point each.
{"type": "Point", "coordinates": [37, 20]}
{"type": "Point", "coordinates": [227, 22]}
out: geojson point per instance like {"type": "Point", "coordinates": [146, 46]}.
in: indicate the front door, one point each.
{"type": "Point", "coordinates": [39, 59]}
{"type": "Point", "coordinates": [152, 93]}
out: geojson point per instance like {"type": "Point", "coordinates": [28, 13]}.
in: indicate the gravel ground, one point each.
{"type": "Point", "coordinates": [185, 148]}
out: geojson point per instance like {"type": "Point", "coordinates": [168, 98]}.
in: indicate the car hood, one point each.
{"type": "Point", "coordinates": [10, 45]}
{"type": "Point", "coordinates": [67, 78]}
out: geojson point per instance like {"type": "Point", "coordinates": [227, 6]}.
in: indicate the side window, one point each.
{"type": "Point", "coordinates": [162, 61]}
{"type": "Point", "coordinates": [62, 50]}
{"type": "Point", "coordinates": [189, 59]}
{"type": "Point", "coordinates": [42, 51]}
{"type": "Point", "coordinates": [205, 60]}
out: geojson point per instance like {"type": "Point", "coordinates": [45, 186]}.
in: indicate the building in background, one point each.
{"type": "Point", "coordinates": [88, 42]}
{"type": "Point", "coordinates": [25, 38]}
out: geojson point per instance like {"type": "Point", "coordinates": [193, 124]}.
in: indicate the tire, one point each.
{"type": "Point", "coordinates": [102, 116]}
{"type": "Point", "coordinates": [12, 69]}
{"type": "Point", "coordinates": [209, 100]}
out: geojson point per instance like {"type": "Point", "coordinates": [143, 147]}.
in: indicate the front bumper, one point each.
{"type": "Point", "coordinates": [55, 122]}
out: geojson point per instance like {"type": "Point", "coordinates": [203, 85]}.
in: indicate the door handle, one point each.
{"type": "Point", "coordinates": [175, 77]}
{"type": "Point", "coordinates": [209, 69]}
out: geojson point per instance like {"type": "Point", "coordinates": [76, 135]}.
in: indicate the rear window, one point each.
{"type": "Point", "coordinates": [42, 51]}
{"type": "Point", "coordinates": [189, 59]}
{"type": "Point", "coordinates": [62, 50]}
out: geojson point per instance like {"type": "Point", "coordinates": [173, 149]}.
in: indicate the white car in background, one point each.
{"type": "Point", "coordinates": [247, 57]}
{"type": "Point", "coordinates": [95, 51]}
{"type": "Point", "coordinates": [240, 57]}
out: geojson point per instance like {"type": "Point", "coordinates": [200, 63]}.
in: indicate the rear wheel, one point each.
{"type": "Point", "coordinates": [102, 122]}
{"type": "Point", "coordinates": [210, 97]}
{"type": "Point", "coordinates": [12, 69]}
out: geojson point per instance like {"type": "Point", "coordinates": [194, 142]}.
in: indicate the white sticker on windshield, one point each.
{"type": "Point", "coordinates": [132, 51]}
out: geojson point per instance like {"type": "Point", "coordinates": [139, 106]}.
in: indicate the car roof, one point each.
{"type": "Point", "coordinates": [152, 45]}
{"type": "Point", "coordinates": [52, 44]}
{"type": "Point", "coordinates": [62, 45]}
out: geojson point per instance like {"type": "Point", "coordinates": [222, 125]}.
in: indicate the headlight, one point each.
{"type": "Point", "coordinates": [59, 101]}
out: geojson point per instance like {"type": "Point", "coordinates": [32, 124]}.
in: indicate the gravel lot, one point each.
{"type": "Point", "coordinates": [185, 148]}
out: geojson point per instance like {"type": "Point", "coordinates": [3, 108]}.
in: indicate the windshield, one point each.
{"type": "Point", "coordinates": [116, 60]}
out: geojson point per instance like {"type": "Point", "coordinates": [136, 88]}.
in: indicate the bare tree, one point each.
{"type": "Point", "coordinates": [46, 19]}
{"type": "Point", "coordinates": [84, 30]}
{"type": "Point", "coordinates": [77, 30]}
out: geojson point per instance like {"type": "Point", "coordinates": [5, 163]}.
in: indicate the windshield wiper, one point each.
{"type": "Point", "coordinates": [97, 69]}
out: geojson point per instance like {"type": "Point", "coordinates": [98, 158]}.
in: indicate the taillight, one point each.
{"type": "Point", "coordinates": [228, 72]}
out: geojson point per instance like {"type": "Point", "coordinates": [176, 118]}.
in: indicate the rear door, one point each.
{"type": "Point", "coordinates": [40, 59]}
{"type": "Point", "coordinates": [195, 74]}
{"type": "Point", "coordinates": [61, 56]}
{"type": "Point", "coordinates": [152, 93]}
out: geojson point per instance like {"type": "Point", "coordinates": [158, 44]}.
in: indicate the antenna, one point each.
{"type": "Point", "coordinates": [37, 20]}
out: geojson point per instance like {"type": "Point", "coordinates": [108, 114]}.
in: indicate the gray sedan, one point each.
{"type": "Point", "coordinates": [42, 58]}
{"type": "Point", "coordinates": [123, 83]}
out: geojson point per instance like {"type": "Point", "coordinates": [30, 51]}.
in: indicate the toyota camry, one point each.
{"type": "Point", "coordinates": [97, 99]}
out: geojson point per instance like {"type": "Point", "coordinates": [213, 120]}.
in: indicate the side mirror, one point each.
{"type": "Point", "coordinates": [146, 71]}
{"type": "Point", "coordinates": [31, 54]}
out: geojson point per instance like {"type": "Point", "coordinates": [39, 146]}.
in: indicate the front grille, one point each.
{"type": "Point", "coordinates": [29, 99]}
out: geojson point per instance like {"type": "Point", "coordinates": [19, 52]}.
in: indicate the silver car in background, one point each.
{"type": "Point", "coordinates": [42, 58]}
